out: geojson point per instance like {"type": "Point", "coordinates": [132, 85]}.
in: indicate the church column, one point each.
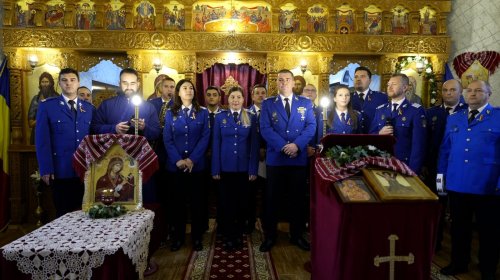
{"type": "Point", "coordinates": [188, 67]}
{"type": "Point", "coordinates": [438, 66]}
{"type": "Point", "coordinates": [325, 68]}
{"type": "Point", "coordinates": [15, 60]}
{"type": "Point", "coordinates": [387, 67]}
{"type": "Point", "coordinates": [272, 67]}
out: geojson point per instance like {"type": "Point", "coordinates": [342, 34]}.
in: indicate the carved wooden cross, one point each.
{"type": "Point", "coordinates": [392, 258]}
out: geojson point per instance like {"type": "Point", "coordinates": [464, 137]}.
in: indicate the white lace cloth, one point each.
{"type": "Point", "coordinates": [69, 247]}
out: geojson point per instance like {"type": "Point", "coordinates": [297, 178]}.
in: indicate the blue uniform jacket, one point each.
{"type": "Point", "coordinates": [58, 135]}
{"type": "Point", "coordinates": [118, 109]}
{"type": "Point", "coordinates": [186, 138]}
{"type": "Point", "coordinates": [470, 153]}
{"type": "Point", "coordinates": [436, 123]}
{"type": "Point", "coordinates": [318, 134]}
{"type": "Point", "coordinates": [372, 101]}
{"type": "Point", "coordinates": [159, 147]}
{"type": "Point", "coordinates": [345, 128]}
{"type": "Point", "coordinates": [262, 142]}
{"type": "Point", "coordinates": [410, 130]}
{"type": "Point", "coordinates": [278, 130]}
{"type": "Point", "coordinates": [235, 147]}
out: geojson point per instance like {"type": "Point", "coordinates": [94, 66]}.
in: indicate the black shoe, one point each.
{"type": "Point", "coordinates": [176, 245]}
{"type": "Point", "coordinates": [301, 243]}
{"type": "Point", "coordinates": [453, 269]}
{"type": "Point", "coordinates": [197, 245]}
{"type": "Point", "coordinates": [266, 245]}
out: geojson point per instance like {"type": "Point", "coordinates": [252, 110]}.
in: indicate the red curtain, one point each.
{"type": "Point", "coordinates": [216, 75]}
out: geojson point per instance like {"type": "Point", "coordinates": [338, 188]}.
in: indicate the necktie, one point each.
{"type": "Point", "coordinates": [361, 97]}
{"type": "Point", "coordinates": [211, 117]}
{"type": "Point", "coordinates": [473, 114]}
{"type": "Point", "coordinates": [448, 110]}
{"type": "Point", "coordinates": [394, 109]}
{"type": "Point", "coordinates": [287, 107]}
{"type": "Point", "coordinates": [235, 115]}
{"type": "Point", "coordinates": [72, 105]}
{"type": "Point", "coordinates": [186, 110]}
{"type": "Point", "coordinates": [342, 118]}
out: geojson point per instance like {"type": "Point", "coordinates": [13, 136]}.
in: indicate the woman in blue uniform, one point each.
{"type": "Point", "coordinates": [235, 157]}
{"type": "Point", "coordinates": [342, 118]}
{"type": "Point", "coordinates": [186, 136]}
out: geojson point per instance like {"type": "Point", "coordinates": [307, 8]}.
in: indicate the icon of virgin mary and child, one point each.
{"type": "Point", "coordinates": [113, 181]}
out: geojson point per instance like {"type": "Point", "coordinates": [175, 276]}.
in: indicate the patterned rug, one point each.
{"type": "Point", "coordinates": [435, 275]}
{"type": "Point", "coordinates": [213, 262]}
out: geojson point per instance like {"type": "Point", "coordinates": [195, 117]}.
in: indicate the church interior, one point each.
{"type": "Point", "coordinates": [228, 43]}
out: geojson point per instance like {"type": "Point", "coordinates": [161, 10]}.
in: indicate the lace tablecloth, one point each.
{"type": "Point", "coordinates": [69, 247]}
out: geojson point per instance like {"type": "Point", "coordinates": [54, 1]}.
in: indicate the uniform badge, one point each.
{"type": "Point", "coordinates": [424, 122]}
{"type": "Point", "coordinates": [400, 112]}
{"type": "Point", "coordinates": [404, 119]}
{"type": "Point", "coordinates": [302, 112]}
{"type": "Point", "coordinates": [81, 108]}
{"type": "Point", "coordinates": [224, 121]}
{"type": "Point", "coordinates": [382, 117]}
{"type": "Point", "coordinates": [60, 102]}
{"type": "Point", "coordinates": [434, 119]}
{"type": "Point", "coordinates": [174, 118]}
{"type": "Point", "coordinates": [193, 116]}
{"type": "Point", "coordinates": [481, 117]}
{"type": "Point", "coordinates": [274, 115]}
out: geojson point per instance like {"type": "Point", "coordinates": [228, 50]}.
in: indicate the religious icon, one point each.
{"type": "Point", "coordinates": [114, 178]}
{"type": "Point", "coordinates": [354, 189]}
{"type": "Point", "coordinates": [391, 185]}
{"type": "Point", "coordinates": [289, 19]}
{"type": "Point", "coordinates": [400, 20]}
{"type": "Point", "coordinates": [428, 21]}
{"type": "Point", "coordinates": [55, 13]}
{"type": "Point", "coordinates": [317, 19]}
{"type": "Point", "coordinates": [115, 15]}
{"type": "Point", "coordinates": [145, 16]}
{"type": "Point", "coordinates": [373, 20]}
{"type": "Point", "coordinates": [344, 20]}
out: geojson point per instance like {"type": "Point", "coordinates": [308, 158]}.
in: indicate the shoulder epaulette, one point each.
{"type": "Point", "coordinates": [416, 105]}
{"type": "Point", "coordinates": [381, 106]}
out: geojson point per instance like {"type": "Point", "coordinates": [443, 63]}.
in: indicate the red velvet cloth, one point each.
{"type": "Point", "coordinates": [346, 237]}
{"type": "Point", "coordinates": [93, 147]}
{"type": "Point", "coordinates": [216, 75]}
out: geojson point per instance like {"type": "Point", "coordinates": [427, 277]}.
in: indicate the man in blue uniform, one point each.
{"type": "Point", "coordinates": [436, 121]}
{"type": "Point", "coordinates": [287, 124]}
{"type": "Point", "coordinates": [311, 93]}
{"type": "Point", "coordinates": [364, 99]}
{"type": "Point", "coordinates": [61, 124]}
{"type": "Point", "coordinates": [405, 121]}
{"type": "Point", "coordinates": [469, 166]}
{"type": "Point", "coordinates": [115, 115]}
{"type": "Point", "coordinates": [258, 94]}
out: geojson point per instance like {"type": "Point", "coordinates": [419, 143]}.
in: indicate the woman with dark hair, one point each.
{"type": "Point", "coordinates": [123, 188]}
{"type": "Point", "coordinates": [235, 157]}
{"type": "Point", "coordinates": [342, 119]}
{"type": "Point", "coordinates": [46, 87]}
{"type": "Point", "coordinates": [186, 135]}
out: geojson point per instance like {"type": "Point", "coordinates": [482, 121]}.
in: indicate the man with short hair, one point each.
{"type": "Point", "coordinates": [212, 100]}
{"type": "Point", "coordinates": [364, 99]}
{"type": "Point", "coordinates": [287, 124]}
{"type": "Point", "coordinates": [469, 170]}
{"type": "Point", "coordinates": [116, 115]}
{"type": "Point", "coordinates": [61, 124]}
{"type": "Point", "coordinates": [405, 121]}
{"type": "Point", "coordinates": [85, 94]}
{"type": "Point", "coordinates": [436, 121]}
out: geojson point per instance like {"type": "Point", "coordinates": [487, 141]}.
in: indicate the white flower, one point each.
{"type": "Point", "coordinates": [371, 148]}
{"type": "Point", "coordinates": [35, 176]}
{"type": "Point", "coordinates": [428, 70]}
{"type": "Point", "coordinates": [433, 100]}
{"type": "Point", "coordinates": [410, 59]}
{"type": "Point", "coordinates": [343, 154]}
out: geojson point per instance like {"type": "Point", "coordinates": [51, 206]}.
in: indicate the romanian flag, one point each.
{"type": "Point", "coordinates": [4, 143]}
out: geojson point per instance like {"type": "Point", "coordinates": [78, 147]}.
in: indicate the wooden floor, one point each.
{"type": "Point", "coordinates": [289, 260]}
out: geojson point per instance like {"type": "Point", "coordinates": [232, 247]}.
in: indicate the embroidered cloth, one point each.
{"type": "Point", "coordinates": [70, 246]}
{"type": "Point", "coordinates": [330, 171]}
{"type": "Point", "coordinates": [93, 147]}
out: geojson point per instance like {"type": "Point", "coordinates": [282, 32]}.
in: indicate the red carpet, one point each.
{"type": "Point", "coordinates": [215, 263]}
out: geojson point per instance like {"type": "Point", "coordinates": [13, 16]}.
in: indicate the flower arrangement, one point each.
{"type": "Point", "coordinates": [99, 211]}
{"type": "Point", "coordinates": [35, 176]}
{"type": "Point", "coordinates": [344, 155]}
{"type": "Point", "coordinates": [428, 73]}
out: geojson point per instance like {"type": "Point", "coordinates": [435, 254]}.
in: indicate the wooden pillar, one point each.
{"type": "Point", "coordinates": [272, 67]}
{"type": "Point", "coordinates": [387, 67]}
{"type": "Point", "coordinates": [15, 59]}
{"type": "Point", "coordinates": [325, 68]}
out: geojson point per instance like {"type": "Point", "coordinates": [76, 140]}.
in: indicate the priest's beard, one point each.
{"type": "Point", "coordinates": [46, 92]}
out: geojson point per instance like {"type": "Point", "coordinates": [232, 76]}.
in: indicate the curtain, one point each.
{"type": "Point", "coordinates": [216, 75]}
